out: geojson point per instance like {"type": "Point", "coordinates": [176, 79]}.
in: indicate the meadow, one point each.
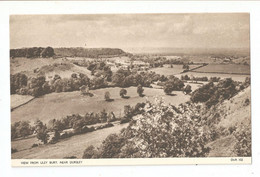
{"type": "Point", "coordinates": [167, 70]}
{"type": "Point", "coordinates": [58, 105]}
{"type": "Point", "coordinates": [73, 146]}
{"type": "Point", "coordinates": [225, 69]}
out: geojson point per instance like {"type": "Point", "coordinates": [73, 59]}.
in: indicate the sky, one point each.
{"type": "Point", "coordinates": [203, 30]}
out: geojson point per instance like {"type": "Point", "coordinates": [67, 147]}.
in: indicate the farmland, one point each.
{"type": "Point", "coordinates": [73, 146]}
{"type": "Point", "coordinates": [225, 69]}
{"type": "Point", "coordinates": [58, 105]}
{"type": "Point", "coordinates": [168, 70]}
{"type": "Point", "coordinates": [18, 100]}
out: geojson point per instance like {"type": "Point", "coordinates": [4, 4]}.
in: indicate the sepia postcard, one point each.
{"type": "Point", "coordinates": [130, 89]}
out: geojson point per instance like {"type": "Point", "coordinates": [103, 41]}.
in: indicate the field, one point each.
{"type": "Point", "coordinates": [17, 100]}
{"type": "Point", "coordinates": [225, 69]}
{"type": "Point", "coordinates": [235, 77]}
{"type": "Point", "coordinates": [48, 67]}
{"type": "Point", "coordinates": [58, 105]}
{"type": "Point", "coordinates": [73, 146]}
{"type": "Point", "coordinates": [167, 70]}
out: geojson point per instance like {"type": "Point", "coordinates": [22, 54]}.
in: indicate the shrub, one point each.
{"type": "Point", "coordinates": [90, 153]}
{"type": "Point", "coordinates": [243, 142]}
{"type": "Point", "coordinates": [35, 145]}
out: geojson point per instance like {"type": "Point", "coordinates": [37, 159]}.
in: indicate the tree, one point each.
{"type": "Point", "coordinates": [17, 81]}
{"type": "Point", "coordinates": [47, 52]}
{"type": "Point", "coordinates": [21, 129]}
{"type": "Point", "coordinates": [187, 89]}
{"type": "Point", "coordinates": [123, 92]}
{"type": "Point", "coordinates": [128, 111]}
{"type": "Point", "coordinates": [107, 96]}
{"type": "Point", "coordinates": [173, 84]}
{"type": "Point", "coordinates": [41, 131]}
{"type": "Point", "coordinates": [140, 90]}
{"type": "Point", "coordinates": [103, 116]}
{"type": "Point", "coordinates": [24, 129]}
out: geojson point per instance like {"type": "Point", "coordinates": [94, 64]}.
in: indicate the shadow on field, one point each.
{"type": "Point", "coordinates": [172, 94]}
{"type": "Point", "coordinates": [110, 100]}
{"type": "Point", "coordinates": [126, 97]}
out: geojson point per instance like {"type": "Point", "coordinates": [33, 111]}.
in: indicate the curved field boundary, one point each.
{"type": "Point", "coordinates": [22, 104]}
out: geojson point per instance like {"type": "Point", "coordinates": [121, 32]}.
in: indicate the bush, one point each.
{"type": "Point", "coordinates": [243, 142]}
{"type": "Point", "coordinates": [90, 153]}
{"type": "Point", "coordinates": [35, 145]}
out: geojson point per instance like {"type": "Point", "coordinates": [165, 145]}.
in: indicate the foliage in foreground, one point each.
{"type": "Point", "coordinates": [160, 131]}
{"type": "Point", "coordinates": [243, 141]}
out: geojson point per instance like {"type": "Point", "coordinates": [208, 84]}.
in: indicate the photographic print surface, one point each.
{"type": "Point", "coordinates": [130, 86]}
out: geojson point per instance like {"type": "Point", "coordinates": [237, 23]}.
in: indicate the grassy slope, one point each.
{"type": "Point", "coordinates": [73, 146]}
{"type": "Point", "coordinates": [58, 105]}
{"type": "Point", "coordinates": [235, 114]}
{"type": "Point", "coordinates": [46, 66]}
{"type": "Point", "coordinates": [17, 100]}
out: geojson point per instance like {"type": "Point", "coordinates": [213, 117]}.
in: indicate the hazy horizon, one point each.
{"type": "Point", "coordinates": [203, 30]}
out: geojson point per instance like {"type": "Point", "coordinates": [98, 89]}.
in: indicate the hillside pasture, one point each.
{"type": "Point", "coordinates": [47, 67]}
{"type": "Point", "coordinates": [58, 105]}
{"type": "Point", "coordinates": [73, 146]}
{"type": "Point", "coordinates": [27, 65]}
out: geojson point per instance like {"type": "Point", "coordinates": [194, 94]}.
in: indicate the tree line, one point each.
{"type": "Point", "coordinates": [211, 94]}
{"type": "Point", "coordinates": [37, 86]}
{"type": "Point", "coordinates": [78, 123]}
{"type": "Point", "coordinates": [34, 52]}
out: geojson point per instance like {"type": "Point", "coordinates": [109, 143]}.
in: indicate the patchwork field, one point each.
{"type": "Point", "coordinates": [58, 105]}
